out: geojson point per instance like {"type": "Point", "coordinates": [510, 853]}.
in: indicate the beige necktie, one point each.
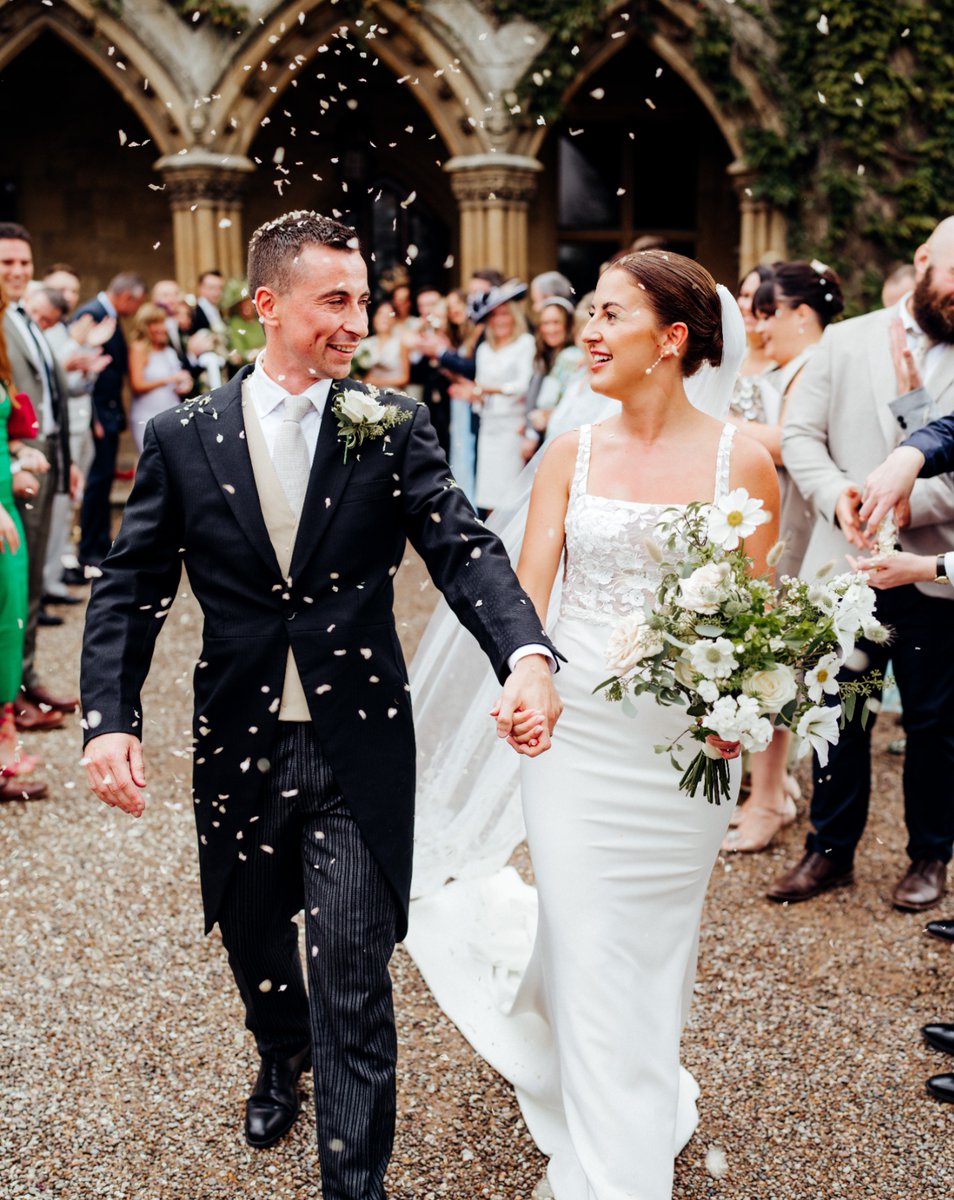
{"type": "Point", "coordinates": [290, 454]}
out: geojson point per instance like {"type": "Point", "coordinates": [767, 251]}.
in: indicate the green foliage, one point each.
{"type": "Point", "coordinates": [864, 165]}
{"type": "Point", "coordinates": [570, 25]}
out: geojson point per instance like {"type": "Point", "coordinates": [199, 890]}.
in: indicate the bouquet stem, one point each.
{"type": "Point", "coordinates": [712, 773]}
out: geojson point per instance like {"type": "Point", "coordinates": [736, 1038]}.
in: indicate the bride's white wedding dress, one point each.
{"type": "Point", "coordinates": [622, 859]}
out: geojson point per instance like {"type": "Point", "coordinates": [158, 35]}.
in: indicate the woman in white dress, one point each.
{"type": "Point", "coordinates": [504, 368]}
{"type": "Point", "coordinates": [156, 376]}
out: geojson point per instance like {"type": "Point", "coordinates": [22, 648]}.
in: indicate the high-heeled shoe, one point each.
{"type": "Point", "coordinates": [22, 764]}
{"type": "Point", "coordinates": [792, 790]}
{"type": "Point", "coordinates": [759, 825]}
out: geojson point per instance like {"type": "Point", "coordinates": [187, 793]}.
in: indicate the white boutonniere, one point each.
{"type": "Point", "coordinates": [360, 416]}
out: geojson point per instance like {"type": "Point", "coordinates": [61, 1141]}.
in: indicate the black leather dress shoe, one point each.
{"type": "Point", "coordinates": [271, 1109]}
{"type": "Point", "coordinates": [45, 618]}
{"type": "Point", "coordinates": [941, 1087]}
{"type": "Point", "coordinates": [941, 929]}
{"type": "Point", "coordinates": [65, 598]}
{"type": "Point", "coordinates": [941, 1037]}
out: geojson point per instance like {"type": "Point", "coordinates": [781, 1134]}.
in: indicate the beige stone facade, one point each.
{"type": "Point", "coordinates": [150, 143]}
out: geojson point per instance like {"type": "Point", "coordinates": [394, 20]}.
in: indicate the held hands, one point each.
{"type": "Point", "coordinates": [529, 707]}
{"type": "Point", "coordinates": [115, 771]}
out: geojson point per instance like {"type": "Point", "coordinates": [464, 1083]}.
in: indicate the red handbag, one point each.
{"type": "Point", "coordinates": [22, 422]}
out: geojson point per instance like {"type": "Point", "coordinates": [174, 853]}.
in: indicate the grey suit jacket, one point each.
{"type": "Point", "coordinates": [838, 428]}
{"type": "Point", "coordinates": [27, 378]}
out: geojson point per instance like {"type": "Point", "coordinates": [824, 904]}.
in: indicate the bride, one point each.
{"type": "Point", "coordinates": [621, 856]}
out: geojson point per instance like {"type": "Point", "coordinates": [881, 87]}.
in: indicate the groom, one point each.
{"type": "Point", "coordinates": [303, 779]}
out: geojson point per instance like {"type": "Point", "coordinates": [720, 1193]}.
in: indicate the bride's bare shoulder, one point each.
{"type": "Point", "coordinates": [751, 466]}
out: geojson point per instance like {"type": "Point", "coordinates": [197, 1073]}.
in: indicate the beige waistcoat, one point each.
{"type": "Point", "coordinates": [282, 526]}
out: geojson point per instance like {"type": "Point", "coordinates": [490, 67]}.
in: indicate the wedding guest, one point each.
{"type": "Point", "coordinates": [388, 354]}
{"type": "Point", "coordinates": [897, 285]}
{"type": "Point", "coordinates": [746, 398]}
{"type": "Point", "coordinates": [14, 768]}
{"type": "Point", "coordinates": [792, 306]}
{"type": "Point", "coordinates": [557, 359]}
{"type": "Point", "coordinates": [156, 377]}
{"type": "Point", "coordinates": [208, 296]}
{"type": "Point", "coordinates": [244, 331]}
{"type": "Point", "coordinates": [428, 382]}
{"type": "Point", "coordinates": [859, 386]}
{"type": "Point", "coordinates": [122, 298]}
{"type": "Point", "coordinates": [546, 286]}
{"type": "Point", "coordinates": [36, 373]}
{"type": "Point", "coordinates": [504, 366]}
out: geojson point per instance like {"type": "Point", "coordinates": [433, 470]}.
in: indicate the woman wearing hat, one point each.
{"type": "Point", "coordinates": [504, 368]}
{"type": "Point", "coordinates": [243, 328]}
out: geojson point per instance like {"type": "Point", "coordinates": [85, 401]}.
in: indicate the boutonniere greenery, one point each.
{"type": "Point", "coordinates": [361, 416]}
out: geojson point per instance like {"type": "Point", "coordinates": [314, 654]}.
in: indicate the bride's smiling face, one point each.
{"type": "Point", "coordinates": [622, 337]}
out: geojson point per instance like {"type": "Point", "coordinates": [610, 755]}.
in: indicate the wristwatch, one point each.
{"type": "Point", "coordinates": [940, 571]}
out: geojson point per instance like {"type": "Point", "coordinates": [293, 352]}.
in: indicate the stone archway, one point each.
{"type": "Point", "coordinates": [752, 225]}
{"type": "Point", "coordinates": [124, 61]}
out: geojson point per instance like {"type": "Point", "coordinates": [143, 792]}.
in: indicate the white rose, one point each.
{"type": "Point", "coordinates": [773, 687]}
{"type": "Point", "coordinates": [630, 642]}
{"type": "Point", "coordinates": [705, 589]}
{"type": "Point", "coordinates": [360, 409]}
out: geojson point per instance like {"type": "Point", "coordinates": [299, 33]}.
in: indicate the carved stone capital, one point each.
{"type": "Point", "coordinates": [202, 177]}
{"type": "Point", "coordinates": [488, 179]}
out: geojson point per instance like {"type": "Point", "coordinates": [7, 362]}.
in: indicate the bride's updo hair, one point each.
{"type": "Point", "coordinates": [679, 289]}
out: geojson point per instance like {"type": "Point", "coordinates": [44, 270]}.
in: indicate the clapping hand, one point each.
{"type": "Point", "coordinates": [905, 368]}
{"type": "Point", "coordinates": [9, 534]}
{"type": "Point", "coordinates": [848, 516]}
{"type": "Point", "coordinates": [889, 486]}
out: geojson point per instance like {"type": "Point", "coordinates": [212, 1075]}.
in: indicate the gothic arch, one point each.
{"type": "Point", "coordinates": [255, 78]}
{"type": "Point", "coordinates": [143, 83]}
{"type": "Point", "coordinates": [674, 23]}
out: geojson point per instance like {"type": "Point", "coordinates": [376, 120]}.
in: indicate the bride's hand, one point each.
{"type": "Point", "coordinates": [529, 706]}
{"type": "Point", "coordinates": [726, 749]}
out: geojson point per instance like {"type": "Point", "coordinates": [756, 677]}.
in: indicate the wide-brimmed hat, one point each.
{"type": "Point", "coordinates": [483, 306]}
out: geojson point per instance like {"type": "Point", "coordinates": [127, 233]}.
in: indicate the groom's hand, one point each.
{"type": "Point", "coordinates": [115, 771]}
{"type": "Point", "coordinates": [529, 706]}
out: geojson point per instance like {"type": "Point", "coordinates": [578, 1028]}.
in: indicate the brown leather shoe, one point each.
{"type": "Point", "coordinates": [922, 886]}
{"type": "Point", "coordinates": [30, 718]}
{"type": "Point", "coordinates": [22, 789]}
{"type": "Point", "coordinates": [43, 698]}
{"type": "Point", "coordinates": [816, 873]}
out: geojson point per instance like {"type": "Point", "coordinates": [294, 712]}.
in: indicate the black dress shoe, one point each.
{"type": "Point", "coordinates": [66, 598]}
{"type": "Point", "coordinates": [940, 1036]}
{"type": "Point", "coordinates": [271, 1109]}
{"type": "Point", "coordinates": [75, 577]}
{"type": "Point", "coordinates": [941, 1087]}
{"type": "Point", "coordinates": [941, 929]}
{"type": "Point", "coordinates": [45, 618]}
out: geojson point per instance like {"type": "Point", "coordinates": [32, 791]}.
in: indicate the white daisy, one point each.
{"type": "Point", "coordinates": [736, 516]}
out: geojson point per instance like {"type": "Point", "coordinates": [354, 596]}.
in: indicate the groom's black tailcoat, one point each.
{"type": "Point", "coordinates": [195, 503]}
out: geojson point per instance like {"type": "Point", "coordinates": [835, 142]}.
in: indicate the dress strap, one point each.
{"type": "Point", "coordinates": [723, 460]}
{"type": "Point", "coordinates": [582, 468]}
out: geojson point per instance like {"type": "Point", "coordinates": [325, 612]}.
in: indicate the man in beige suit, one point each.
{"type": "Point", "coordinates": [874, 380]}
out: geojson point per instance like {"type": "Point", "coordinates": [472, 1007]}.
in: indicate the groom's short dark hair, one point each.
{"type": "Point", "coordinates": [275, 246]}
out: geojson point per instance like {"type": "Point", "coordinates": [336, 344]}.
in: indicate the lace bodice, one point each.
{"type": "Point", "coordinates": [608, 569]}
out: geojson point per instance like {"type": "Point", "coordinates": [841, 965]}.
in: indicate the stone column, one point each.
{"type": "Point", "coordinates": [493, 192]}
{"type": "Point", "coordinates": [762, 228]}
{"type": "Point", "coordinates": [205, 194]}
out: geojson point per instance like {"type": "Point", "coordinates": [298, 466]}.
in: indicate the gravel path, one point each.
{"type": "Point", "coordinates": [124, 1063]}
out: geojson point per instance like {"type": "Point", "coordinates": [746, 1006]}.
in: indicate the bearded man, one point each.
{"type": "Point", "coordinates": [873, 381]}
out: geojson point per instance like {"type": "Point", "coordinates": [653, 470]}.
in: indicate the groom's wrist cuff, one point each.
{"type": "Point", "coordinates": [526, 651]}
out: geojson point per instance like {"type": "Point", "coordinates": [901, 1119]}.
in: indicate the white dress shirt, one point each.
{"type": "Point", "coordinates": [268, 397]}
{"type": "Point", "coordinates": [926, 353]}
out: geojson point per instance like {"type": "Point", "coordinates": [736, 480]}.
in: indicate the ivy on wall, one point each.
{"type": "Point", "coordinates": [864, 165]}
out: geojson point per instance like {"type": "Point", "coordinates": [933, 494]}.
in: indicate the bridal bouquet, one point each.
{"type": "Point", "coordinates": [742, 655]}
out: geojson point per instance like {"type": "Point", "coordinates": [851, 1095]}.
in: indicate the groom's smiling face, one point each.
{"type": "Point", "coordinates": [314, 326]}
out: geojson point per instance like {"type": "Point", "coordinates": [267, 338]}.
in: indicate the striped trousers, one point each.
{"type": "Point", "coordinates": [305, 835]}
